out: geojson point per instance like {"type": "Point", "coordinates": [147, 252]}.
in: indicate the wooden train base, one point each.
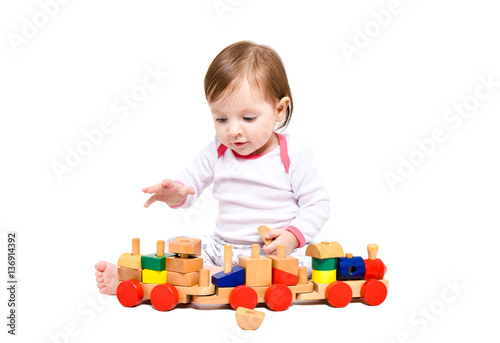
{"type": "Point", "coordinates": [276, 280]}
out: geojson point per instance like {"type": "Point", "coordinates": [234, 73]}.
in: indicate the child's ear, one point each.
{"type": "Point", "coordinates": [281, 108]}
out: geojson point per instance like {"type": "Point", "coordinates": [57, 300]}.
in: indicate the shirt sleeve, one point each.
{"type": "Point", "coordinates": [199, 174]}
{"type": "Point", "coordinates": [311, 195]}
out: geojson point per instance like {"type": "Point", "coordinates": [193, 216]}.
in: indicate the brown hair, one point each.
{"type": "Point", "coordinates": [262, 67]}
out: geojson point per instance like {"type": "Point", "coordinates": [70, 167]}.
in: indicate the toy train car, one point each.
{"type": "Point", "coordinates": [167, 279]}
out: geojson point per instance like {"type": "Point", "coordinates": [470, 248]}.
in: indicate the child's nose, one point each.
{"type": "Point", "coordinates": [235, 130]}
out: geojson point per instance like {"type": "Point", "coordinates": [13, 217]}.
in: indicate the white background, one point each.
{"type": "Point", "coordinates": [361, 114]}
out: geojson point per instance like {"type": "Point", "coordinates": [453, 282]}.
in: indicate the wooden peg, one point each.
{"type": "Point", "coordinates": [136, 246]}
{"type": "Point", "coordinates": [302, 275]}
{"type": "Point", "coordinates": [372, 251]}
{"type": "Point", "coordinates": [160, 248]}
{"type": "Point", "coordinates": [255, 251]}
{"type": "Point", "coordinates": [228, 258]}
{"type": "Point", "coordinates": [281, 251]}
{"type": "Point", "coordinates": [204, 277]}
{"type": "Point", "coordinates": [348, 255]}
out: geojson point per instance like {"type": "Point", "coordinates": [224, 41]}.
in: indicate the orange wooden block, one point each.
{"type": "Point", "coordinates": [185, 245]}
{"type": "Point", "coordinates": [184, 265]}
{"type": "Point", "coordinates": [183, 279]}
{"type": "Point", "coordinates": [258, 269]}
{"type": "Point", "coordinates": [129, 273]}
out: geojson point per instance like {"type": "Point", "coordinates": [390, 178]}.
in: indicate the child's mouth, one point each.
{"type": "Point", "coordinates": [240, 143]}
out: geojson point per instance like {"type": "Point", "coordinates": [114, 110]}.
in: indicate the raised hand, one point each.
{"type": "Point", "coordinates": [168, 191]}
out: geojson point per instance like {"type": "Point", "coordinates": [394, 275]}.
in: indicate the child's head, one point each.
{"type": "Point", "coordinates": [246, 85]}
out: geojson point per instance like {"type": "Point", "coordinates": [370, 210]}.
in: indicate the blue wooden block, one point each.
{"type": "Point", "coordinates": [351, 268]}
{"type": "Point", "coordinates": [232, 279]}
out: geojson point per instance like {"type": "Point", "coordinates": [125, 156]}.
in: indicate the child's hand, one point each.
{"type": "Point", "coordinates": [170, 192]}
{"type": "Point", "coordinates": [281, 237]}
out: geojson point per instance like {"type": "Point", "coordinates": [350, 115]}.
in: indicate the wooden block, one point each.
{"type": "Point", "coordinates": [153, 262]}
{"type": "Point", "coordinates": [249, 319]}
{"type": "Point", "coordinates": [263, 230]}
{"type": "Point", "coordinates": [324, 264]}
{"type": "Point", "coordinates": [154, 276]}
{"type": "Point", "coordinates": [234, 278]}
{"type": "Point", "coordinates": [258, 271]}
{"type": "Point", "coordinates": [183, 265]}
{"type": "Point", "coordinates": [287, 264]}
{"type": "Point", "coordinates": [324, 276]}
{"type": "Point", "coordinates": [129, 273]}
{"type": "Point", "coordinates": [183, 279]}
{"type": "Point", "coordinates": [185, 245]}
{"type": "Point", "coordinates": [351, 268]}
{"type": "Point", "coordinates": [285, 278]}
{"type": "Point", "coordinates": [132, 260]}
{"type": "Point", "coordinates": [325, 250]}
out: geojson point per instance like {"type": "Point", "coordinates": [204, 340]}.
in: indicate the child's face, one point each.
{"type": "Point", "coordinates": [245, 121]}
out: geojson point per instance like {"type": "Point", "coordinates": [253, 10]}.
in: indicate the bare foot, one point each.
{"type": "Point", "coordinates": [106, 277]}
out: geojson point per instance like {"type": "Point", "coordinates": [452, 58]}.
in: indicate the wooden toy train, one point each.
{"type": "Point", "coordinates": [277, 280]}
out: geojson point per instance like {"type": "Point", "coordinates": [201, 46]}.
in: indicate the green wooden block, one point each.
{"type": "Point", "coordinates": [324, 264]}
{"type": "Point", "coordinates": [153, 262]}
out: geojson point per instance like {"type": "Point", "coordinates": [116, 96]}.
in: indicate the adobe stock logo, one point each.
{"type": "Point", "coordinates": [454, 117]}
{"type": "Point", "coordinates": [121, 106]}
{"type": "Point", "coordinates": [31, 27]}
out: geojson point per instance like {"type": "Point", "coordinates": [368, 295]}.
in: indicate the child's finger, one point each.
{"type": "Point", "coordinates": [274, 233]}
{"type": "Point", "coordinates": [151, 200]}
{"type": "Point", "coordinates": [152, 189]}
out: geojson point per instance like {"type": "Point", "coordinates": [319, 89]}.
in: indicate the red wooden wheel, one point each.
{"type": "Point", "coordinates": [164, 297]}
{"type": "Point", "coordinates": [130, 293]}
{"type": "Point", "coordinates": [244, 296]}
{"type": "Point", "coordinates": [278, 297]}
{"type": "Point", "coordinates": [338, 294]}
{"type": "Point", "coordinates": [373, 292]}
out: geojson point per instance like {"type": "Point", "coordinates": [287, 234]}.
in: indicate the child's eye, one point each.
{"type": "Point", "coordinates": [248, 118]}
{"type": "Point", "coordinates": [221, 120]}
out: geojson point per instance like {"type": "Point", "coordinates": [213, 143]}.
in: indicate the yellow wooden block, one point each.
{"type": "Point", "coordinates": [324, 276]}
{"type": "Point", "coordinates": [154, 276]}
{"type": "Point", "coordinates": [127, 260]}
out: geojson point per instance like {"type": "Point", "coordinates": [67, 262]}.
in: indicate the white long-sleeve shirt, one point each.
{"type": "Point", "coordinates": [280, 189]}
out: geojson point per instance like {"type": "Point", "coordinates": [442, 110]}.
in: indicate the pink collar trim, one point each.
{"type": "Point", "coordinates": [285, 159]}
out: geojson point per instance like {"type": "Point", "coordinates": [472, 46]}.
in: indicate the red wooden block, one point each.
{"type": "Point", "coordinates": [374, 269]}
{"type": "Point", "coordinates": [130, 293]}
{"type": "Point", "coordinates": [338, 294]}
{"type": "Point", "coordinates": [243, 296]}
{"type": "Point", "coordinates": [280, 276]}
{"type": "Point", "coordinates": [373, 292]}
{"type": "Point", "coordinates": [164, 297]}
{"type": "Point", "coordinates": [278, 297]}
